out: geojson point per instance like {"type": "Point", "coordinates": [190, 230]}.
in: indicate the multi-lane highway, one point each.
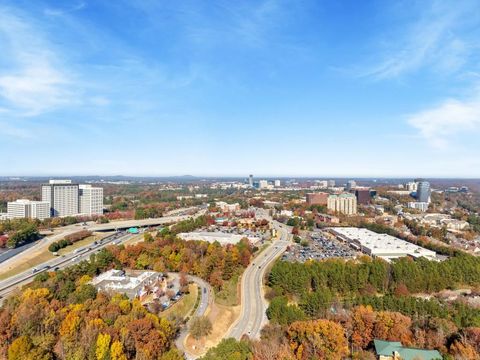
{"type": "Point", "coordinates": [252, 316]}
{"type": "Point", "coordinates": [7, 286]}
{"type": "Point", "coordinates": [30, 253]}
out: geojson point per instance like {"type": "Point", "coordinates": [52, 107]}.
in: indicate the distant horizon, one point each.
{"type": "Point", "coordinates": [230, 176]}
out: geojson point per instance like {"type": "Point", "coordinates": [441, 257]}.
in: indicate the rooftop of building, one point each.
{"type": "Point", "coordinates": [383, 245]}
{"type": "Point", "coordinates": [388, 348]}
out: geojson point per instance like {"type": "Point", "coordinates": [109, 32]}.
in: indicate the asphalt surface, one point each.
{"type": "Point", "coordinates": [60, 233]}
{"type": "Point", "coordinates": [252, 317]}
{"type": "Point", "coordinates": [9, 285]}
{"type": "Point", "coordinates": [206, 298]}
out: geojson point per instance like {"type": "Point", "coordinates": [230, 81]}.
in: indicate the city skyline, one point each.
{"type": "Point", "coordinates": [270, 88]}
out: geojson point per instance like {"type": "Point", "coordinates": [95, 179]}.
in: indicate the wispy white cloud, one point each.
{"type": "Point", "coordinates": [33, 78]}
{"type": "Point", "coordinates": [439, 124]}
{"type": "Point", "coordinates": [58, 12]}
{"type": "Point", "coordinates": [435, 40]}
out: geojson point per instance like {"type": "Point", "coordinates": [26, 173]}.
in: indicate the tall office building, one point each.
{"type": "Point", "coordinates": [344, 203]}
{"type": "Point", "coordinates": [423, 191]}
{"type": "Point", "coordinates": [250, 180]}
{"type": "Point", "coordinates": [28, 209]}
{"type": "Point", "coordinates": [277, 183]}
{"type": "Point", "coordinates": [62, 196]}
{"type": "Point", "coordinates": [90, 200]}
{"type": "Point", "coordinates": [351, 184]}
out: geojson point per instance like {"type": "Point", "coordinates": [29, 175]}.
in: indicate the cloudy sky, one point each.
{"type": "Point", "coordinates": [317, 88]}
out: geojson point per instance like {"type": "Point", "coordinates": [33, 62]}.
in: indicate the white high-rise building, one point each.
{"type": "Point", "coordinates": [277, 183]}
{"type": "Point", "coordinates": [62, 196]}
{"type": "Point", "coordinates": [90, 200]}
{"type": "Point", "coordinates": [262, 184]}
{"type": "Point", "coordinates": [411, 186]}
{"type": "Point", "coordinates": [343, 203]}
{"type": "Point", "coordinates": [28, 209]}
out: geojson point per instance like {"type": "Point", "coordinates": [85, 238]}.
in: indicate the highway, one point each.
{"type": "Point", "coordinates": [252, 316]}
{"type": "Point", "coordinates": [60, 233]}
{"type": "Point", "coordinates": [9, 285]}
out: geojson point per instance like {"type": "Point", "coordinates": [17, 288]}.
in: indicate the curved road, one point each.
{"type": "Point", "coordinates": [206, 298]}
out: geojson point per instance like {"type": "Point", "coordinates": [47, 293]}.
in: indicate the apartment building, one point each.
{"type": "Point", "coordinates": [343, 203]}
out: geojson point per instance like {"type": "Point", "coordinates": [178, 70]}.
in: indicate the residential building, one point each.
{"type": "Point", "coordinates": [3, 216]}
{"type": "Point", "coordinates": [331, 183]}
{"type": "Point", "coordinates": [383, 246]}
{"type": "Point", "coordinates": [62, 196]}
{"type": "Point", "coordinates": [28, 209]}
{"type": "Point", "coordinates": [320, 198]}
{"type": "Point", "coordinates": [227, 207]}
{"type": "Point", "coordinates": [324, 218]}
{"type": "Point", "coordinates": [423, 191]}
{"type": "Point", "coordinates": [288, 213]}
{"type": "Point", "coordinates": [344, 203]}
{"type": "Point", "coordinates": [277, 183]}
{"type": "Point", "coordinates": [418, 205]}
{"type": "Point", "coordinates": [90, 200]}
{"type": "Point", "coordinates": [363, 196]}
{"type": "Point", "coordinates": [322, 184]}
{"type": "Point", "coordinates": [117, 281]}
{"type": "Point", "coordinates": [394, 350]}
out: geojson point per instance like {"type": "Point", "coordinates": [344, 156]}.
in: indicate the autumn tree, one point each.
{"type": "Point", "coordinates": [200, 327]}
{"type": "Point", "coordinates": [323, 339]}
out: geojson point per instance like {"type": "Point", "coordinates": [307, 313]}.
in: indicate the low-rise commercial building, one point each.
{"type": "Point", "coordinates": [28, 209]}
{"type": "Point", "coordinates": [222, 238]}
{"type": "Point", "coordinates": [383, 246]}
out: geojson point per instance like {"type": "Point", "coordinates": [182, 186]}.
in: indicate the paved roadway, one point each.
{"type": "Point", "coordinates": [7, 286]}
{"type": "Point", "coordinates": [206, 298]}
{"type": "Point", "coordinates": [60, 233]}
{"type": "Point", "coordinates": [253, 317]}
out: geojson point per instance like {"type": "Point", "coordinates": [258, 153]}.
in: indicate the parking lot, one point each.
{"type": "Point", "coordinates": [320, 247]}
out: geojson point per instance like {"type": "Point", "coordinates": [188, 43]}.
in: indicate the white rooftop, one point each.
{"type": "Point", "coordinates": [222, 238]}
{"type": "Point", "coordinates": [382, 245]}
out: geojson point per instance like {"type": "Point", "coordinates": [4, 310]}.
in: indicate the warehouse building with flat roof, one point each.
{"type": "Point", "coordinates": [383, 246]}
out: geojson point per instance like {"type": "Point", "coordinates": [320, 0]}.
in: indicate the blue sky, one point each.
{"type": "Point", "coordinates": [314, 88]}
